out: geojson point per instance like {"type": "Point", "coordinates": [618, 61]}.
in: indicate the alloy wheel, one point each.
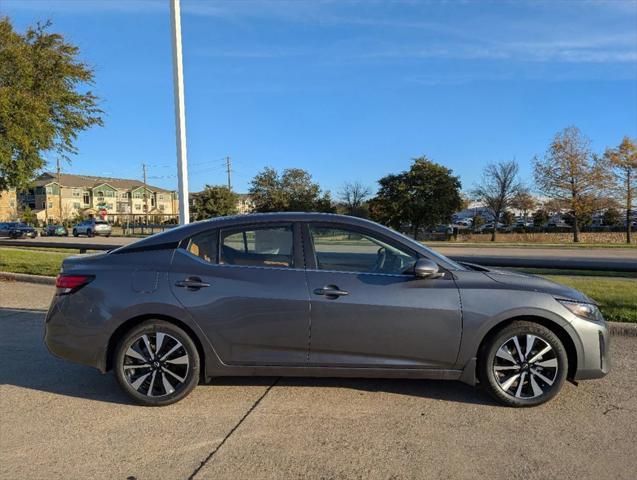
{"type": "Point", "coordinates": [156, 364]}
{"type": "Point", "coordinates": [525, 366]}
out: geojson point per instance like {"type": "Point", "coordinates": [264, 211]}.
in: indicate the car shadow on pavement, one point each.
{"type": "Point", "coordinates": [446, 390]}
{"type": "Point", "coordinates": [25, 362]}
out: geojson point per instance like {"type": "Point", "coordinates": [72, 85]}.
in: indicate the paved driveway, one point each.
{"type": "Point", "coordinates": [60, 420]}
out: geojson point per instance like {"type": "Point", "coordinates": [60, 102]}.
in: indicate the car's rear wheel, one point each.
{"type": "Point", "coordinates": [89, 233]}
{"type": "Point", "coordinates": [75, 234]}
{"type": "Point", "coordinates": [523, 365]}
{"type": "Point", "coordinates": [157, 363]}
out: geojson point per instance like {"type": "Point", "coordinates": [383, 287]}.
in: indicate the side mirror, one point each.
{"type": "Point", "coordinates": [426, 268]}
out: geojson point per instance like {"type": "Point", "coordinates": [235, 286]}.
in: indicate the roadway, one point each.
{"type": "Point", "coordinates": [61, 420]}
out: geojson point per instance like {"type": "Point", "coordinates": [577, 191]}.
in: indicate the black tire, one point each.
{"type": "Point", "coordinates": [89, 233]}
{"type": "Point", "coordinates": [125, 363]}
{"type": "Point", "coordinates": [541, 376]}
{"type": "Point", "coordinates": [75, 234]}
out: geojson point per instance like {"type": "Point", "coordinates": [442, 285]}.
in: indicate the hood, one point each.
{"type": "Point", "coordinates": [524, 281]}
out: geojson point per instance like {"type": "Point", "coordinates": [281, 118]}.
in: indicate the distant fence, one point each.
{"type": "Point", "coordinates": [599, 265]}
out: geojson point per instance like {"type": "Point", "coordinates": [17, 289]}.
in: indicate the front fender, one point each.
{"type": "Point", "coordinates": [484, 310]}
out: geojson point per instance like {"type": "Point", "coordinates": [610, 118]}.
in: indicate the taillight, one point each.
{"type": "Point", "coordinates": [66, 283]}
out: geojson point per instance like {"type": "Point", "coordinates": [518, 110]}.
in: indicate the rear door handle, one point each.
{"type": "Point", "coordinates": [330, 291]}
{"type": "Point", "coordinates": [192, 283]}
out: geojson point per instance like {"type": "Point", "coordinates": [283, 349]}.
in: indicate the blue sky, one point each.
{"type": "Point", "coordinates": [349, 90]}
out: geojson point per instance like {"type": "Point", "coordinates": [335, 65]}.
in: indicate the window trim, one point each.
{"type": "Point", "coordinates": [310, 254]}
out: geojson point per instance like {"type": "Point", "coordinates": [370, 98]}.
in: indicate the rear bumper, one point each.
{"type": "Point", "coordinates": [71, 338]}
{"type": "Point", "coordinates": [594, 360]}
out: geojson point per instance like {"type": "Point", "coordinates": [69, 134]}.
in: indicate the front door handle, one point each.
{"type": "Point", "coordinates": [330, 291]}
{"type": "Point", "coordinates": [192, 283]}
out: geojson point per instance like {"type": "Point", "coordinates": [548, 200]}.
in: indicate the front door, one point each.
{"type": "Point", "coordinates": [369, 310]}
{"type": "Point", "coordinates": [246, 290]}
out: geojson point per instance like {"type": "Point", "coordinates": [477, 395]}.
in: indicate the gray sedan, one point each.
{"type": "Point", "coordinates": [301, 294]}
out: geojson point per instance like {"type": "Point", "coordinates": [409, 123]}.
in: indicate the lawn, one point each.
{"type": "Point", "coordinates": [35, 262]}
{"type": "Point", "coordinates": [616, 295]}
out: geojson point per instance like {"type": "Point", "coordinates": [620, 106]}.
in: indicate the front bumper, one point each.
{"type": "Point", "coordinates": [594, 358]}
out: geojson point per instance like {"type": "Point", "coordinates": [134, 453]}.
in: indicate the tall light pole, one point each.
{"type": "Point", "coordinates": [180, 113]}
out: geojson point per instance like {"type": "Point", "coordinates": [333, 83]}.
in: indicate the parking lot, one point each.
{"type": "Point", "coordinates": [61, 420]}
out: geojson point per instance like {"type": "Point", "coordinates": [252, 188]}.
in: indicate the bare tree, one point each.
{"type": "Point", "coordinates": [499, 186]}
{"type": "Point", "coordinates": [353, 195]}
{"type": "Point", "coordinates": [623, 161]}
{"type": "Point", "coordinates": [570, 173]}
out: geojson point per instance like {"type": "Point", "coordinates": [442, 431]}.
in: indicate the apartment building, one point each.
{"type": "Point", "coordinates": [8, 205]}
{"type": "Point", "coordinates": [245, 204]}
{"type": "Point", "coordinates": [120, 199]}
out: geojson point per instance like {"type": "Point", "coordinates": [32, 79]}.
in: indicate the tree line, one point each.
{"type": "Point", "coordinates": [574, 179]}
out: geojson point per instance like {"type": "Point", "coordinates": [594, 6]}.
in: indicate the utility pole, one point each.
{"type": "Point", "coordinates": [58, 170]}
{"type": "Point", "coordinates": [180, 113]}
{"type": "Point", "coordinates": [229, 170]}
{"type": "Point", "coordinates": [145, 193]}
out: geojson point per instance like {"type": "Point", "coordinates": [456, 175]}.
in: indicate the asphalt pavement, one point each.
{"type": "Point", "coordinates": [61, 420]}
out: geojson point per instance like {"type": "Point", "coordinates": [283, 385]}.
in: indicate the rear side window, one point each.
{"type": "Point", "coordinates": [204, 246]}
{"type": "Point", "coordinates": [258, 247]}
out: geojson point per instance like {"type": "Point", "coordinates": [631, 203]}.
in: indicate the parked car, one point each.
{"type": "Point", "coordinates": [237, 295]}
{"type": "Point", "coordinates": [17, 230]}
{"type": "Point", "coordinates": [55, 231]}
{"type": "Point", "coordinates": [488, 227]}
{"type": "Point", "coordinates": [92, 227]}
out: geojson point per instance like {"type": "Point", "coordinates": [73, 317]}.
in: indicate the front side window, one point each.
{"type": "Point", "coordinates": [351, 251]}
{"type": "Point", "coordinates": [258, 247]}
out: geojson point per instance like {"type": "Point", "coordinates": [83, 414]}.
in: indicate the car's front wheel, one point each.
{"type": "Point", "coordinates": [523, 365]}
{"type": "Point", "coordinates": [157, 363]}
{"type": "Point", "coordinates": [75, 234]}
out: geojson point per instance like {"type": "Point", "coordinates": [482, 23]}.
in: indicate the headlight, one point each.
{"type": "Point", "coordinates": [588, 311]}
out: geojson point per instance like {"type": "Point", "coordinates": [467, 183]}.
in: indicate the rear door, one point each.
{"type": "Point", "coordinates": [245, 286]}
{"type": "Point", "coordinates": [369, 310]}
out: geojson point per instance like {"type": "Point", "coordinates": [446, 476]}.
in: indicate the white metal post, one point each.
{"type": "Point", "coordinates": [180, 113]}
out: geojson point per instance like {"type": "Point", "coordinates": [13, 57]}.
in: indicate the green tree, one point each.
{"type": "Point", "coordinates": [292, 191]}
{"type": "Point", "coordinates": [570, 173]}
{"type": "Point", "coordinates": [498, 188]}
{"type": "Point", "coordinates": [44, 103]}
{"type": "Point", "coordinates": [508, 218]}
{"type": "Point", "coordinates": [478, 221]}
{"type": "Point", "coordinates": [540, 217]}
{"type": "Point", "coordinates": [623, 161]}
{"type": "Point", "coordinates": [28, 216]}
{"type": "Point", "coordinates": [612, 217]}
{"type": "Point", "coordinates": [424, 196]}
{"type": "Point", "coordinates": [214, 201]}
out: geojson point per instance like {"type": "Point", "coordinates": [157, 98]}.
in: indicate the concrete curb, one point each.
{"type": "Point", "coordinates": [623, 329]}
{"type": "Point", "coordinates": [616, 328]}
{"type": "Point", "coordinates": [25, 277]}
